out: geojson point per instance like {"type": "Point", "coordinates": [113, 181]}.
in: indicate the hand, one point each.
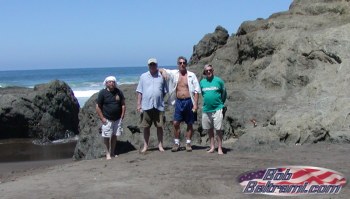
{"type": "Point", "coordinates": [195, 108]}
{"type": "Point", "coordinates": [104, 121]}
{"type": "Point", "coordinates": [139, 109]}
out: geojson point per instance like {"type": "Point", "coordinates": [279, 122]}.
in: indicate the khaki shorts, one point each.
{"type": "Point", "coordinates": [152, 116]}
{"type": "Point", "coordinates": [112, 128]}
{"type": "Point", "coordinates": [212, 120]}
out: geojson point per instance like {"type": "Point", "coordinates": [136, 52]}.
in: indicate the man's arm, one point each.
{"type": "Point", "coordinates": [164, 73]}
{"type": "Point", "coordinates": [100, 115]}
{"type": "Point", "coordinates": [139, 101]}
{"type": "Point", "coordinates": [197, 90]}
{"type": "Point", "coordinates": [195, 105]}
{"type": "Point", "coordinates": [224, 92]}
{"type": "Point", "coordinates": [123, 109]}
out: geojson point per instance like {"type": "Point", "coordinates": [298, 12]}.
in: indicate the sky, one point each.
{"type": "Point", "coordinates": [43, 34]}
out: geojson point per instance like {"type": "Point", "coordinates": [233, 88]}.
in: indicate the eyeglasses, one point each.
{"type": "Point", "coordinates": [152, 64]}
{"type": "Point", "coordinates": [184, 63]}
{"type": "Point", "coordinates": [209, 70]}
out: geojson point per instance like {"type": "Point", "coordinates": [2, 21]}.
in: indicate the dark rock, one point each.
{"type": "Point", "coordinates": [209, 44]}
{"type": "Point", "coordinates": [289, 72]}
{"type": "Point", "coordinates": [134, 129]}
{"type": "Point", "coordinates": [46, 112]}
{"type": "Point", "coordinates": [258, 140]}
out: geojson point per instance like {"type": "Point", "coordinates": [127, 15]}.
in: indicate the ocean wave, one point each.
{"type": "Point", "coordinates": [127, 83]}
{"type": "Point", "coordinates": [87, 93]}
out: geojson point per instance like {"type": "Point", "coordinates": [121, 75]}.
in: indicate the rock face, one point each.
{"type": "Point", "coordinates": [290, 73]}
{"type": "Point", "coordinates": [49, 111]}
{"type": "Point", "coordinates": [209, 44]}
{"type": "Point", "coordinates": [287, 79]}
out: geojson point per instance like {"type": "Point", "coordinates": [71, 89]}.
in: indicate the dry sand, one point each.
{"type": "Point", "coordinates": [182, 174]}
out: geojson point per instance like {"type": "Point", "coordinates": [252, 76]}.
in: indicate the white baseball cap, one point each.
{"type": "Point", "coordinates": [152, 60]}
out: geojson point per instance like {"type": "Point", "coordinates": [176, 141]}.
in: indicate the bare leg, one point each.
{"type": "Point", "coordinates": [177, 129]}
{"type": "Point", "coordinates": [146, 134]}
{"type": "Point", "coordinates": [160, 138]}
{"type": "Point", "coordinates": [108, 149]}
{"type": "Point", "coordinates": [189, 131]}
{"type": "Point", "coordinates": [219, 140]}
{"type": "Point", "coordinates": [113, 145]}
{"type": "Point", "coordinates": [211, 138]}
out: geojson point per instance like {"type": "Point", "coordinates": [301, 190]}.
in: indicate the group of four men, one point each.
{"type": "Point", "coordinates": [183, 89]}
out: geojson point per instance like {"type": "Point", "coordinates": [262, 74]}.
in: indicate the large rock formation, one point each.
{"type": "Point", "coordinates": [290, 73]}
{"type": "Point", "coordinates": [48, 112]}
{"type": "Point", "coordinates": [286, 76]}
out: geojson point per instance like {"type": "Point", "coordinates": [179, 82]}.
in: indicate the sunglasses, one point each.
{"type": "Point", "coordinates": [184, 63]}
{"type": "Point", "coordinates": [210, 70]}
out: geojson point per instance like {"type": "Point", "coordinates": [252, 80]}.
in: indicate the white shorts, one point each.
{"type": "Point", "coordinates": [112, 128]}
{"type": "Point", "coordinates": [212, 120]}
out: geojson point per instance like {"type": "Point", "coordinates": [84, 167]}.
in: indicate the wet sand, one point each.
{"type": "Point", "coordinates": [182, 174]}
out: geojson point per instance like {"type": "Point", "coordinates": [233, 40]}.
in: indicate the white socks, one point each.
{"type": "Point", "coordinates": [177, 141]}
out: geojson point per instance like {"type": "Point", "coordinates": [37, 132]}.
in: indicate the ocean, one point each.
{"type": "Point", "coordinates": [83, 81]}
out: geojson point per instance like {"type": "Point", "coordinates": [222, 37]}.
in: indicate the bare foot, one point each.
{"type": "Point", "coordinates": [211, 150]}
{"type": "Point", "coordinates": [161, 149]}
{"type": "Point", "coordinates": [143, 150]}
{"type": "Point", "coordinates": [220, 152]}
{"type": "Point", "coordinates": [108, 157]}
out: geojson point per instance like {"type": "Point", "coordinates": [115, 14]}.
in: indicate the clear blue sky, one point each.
{"type": "Point", "coordinates": [84, 33]}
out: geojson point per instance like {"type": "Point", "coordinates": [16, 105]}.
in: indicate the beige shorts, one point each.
{"type": "Point", "coordinates": [112, 128]}
{"type": "Point", "coordinates": [152, 116]}
{"type": "Point", "coordinates": [212, 120]}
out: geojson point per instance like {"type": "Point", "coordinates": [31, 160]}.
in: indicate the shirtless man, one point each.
{"type": "Point", "coordinates": [184, 89]}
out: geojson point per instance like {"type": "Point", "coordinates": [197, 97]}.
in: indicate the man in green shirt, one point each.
{"type": "Point", "coordinates": [214, 97]}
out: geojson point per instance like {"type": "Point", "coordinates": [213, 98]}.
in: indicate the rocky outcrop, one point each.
{"type": "Point", "coordinates": [48, 112]}
{"type": "Point", "coordinates": [289, 73]}
{"type": "Point", "coordinates": [209, 44]}
{"type": "Point", "coordinates": [286, 76]}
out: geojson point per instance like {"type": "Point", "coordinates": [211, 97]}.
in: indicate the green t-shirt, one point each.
{"type": "Point", "coordinates": [214, 94]}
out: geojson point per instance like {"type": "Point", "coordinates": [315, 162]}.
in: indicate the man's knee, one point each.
{"type": "Point", "coordinates": [176, 124]}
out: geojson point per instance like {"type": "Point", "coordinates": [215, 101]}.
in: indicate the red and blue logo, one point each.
{"type": "Point", "coordinates": [292, 181]}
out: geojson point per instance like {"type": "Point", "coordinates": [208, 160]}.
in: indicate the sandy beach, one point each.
{"type": "Point", "coordinates": [157, 174]}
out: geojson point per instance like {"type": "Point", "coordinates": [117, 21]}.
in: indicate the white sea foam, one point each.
{"type": "Point", "coordinates": [87, 93]}
{"type": "Point", "coordinates": [83, 96]}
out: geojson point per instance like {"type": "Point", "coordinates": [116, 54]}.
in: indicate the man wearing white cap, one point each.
{"type": "Point", "coordinates": [110, 107]}
{"type": "Point", "coordinates": [151, 90]}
